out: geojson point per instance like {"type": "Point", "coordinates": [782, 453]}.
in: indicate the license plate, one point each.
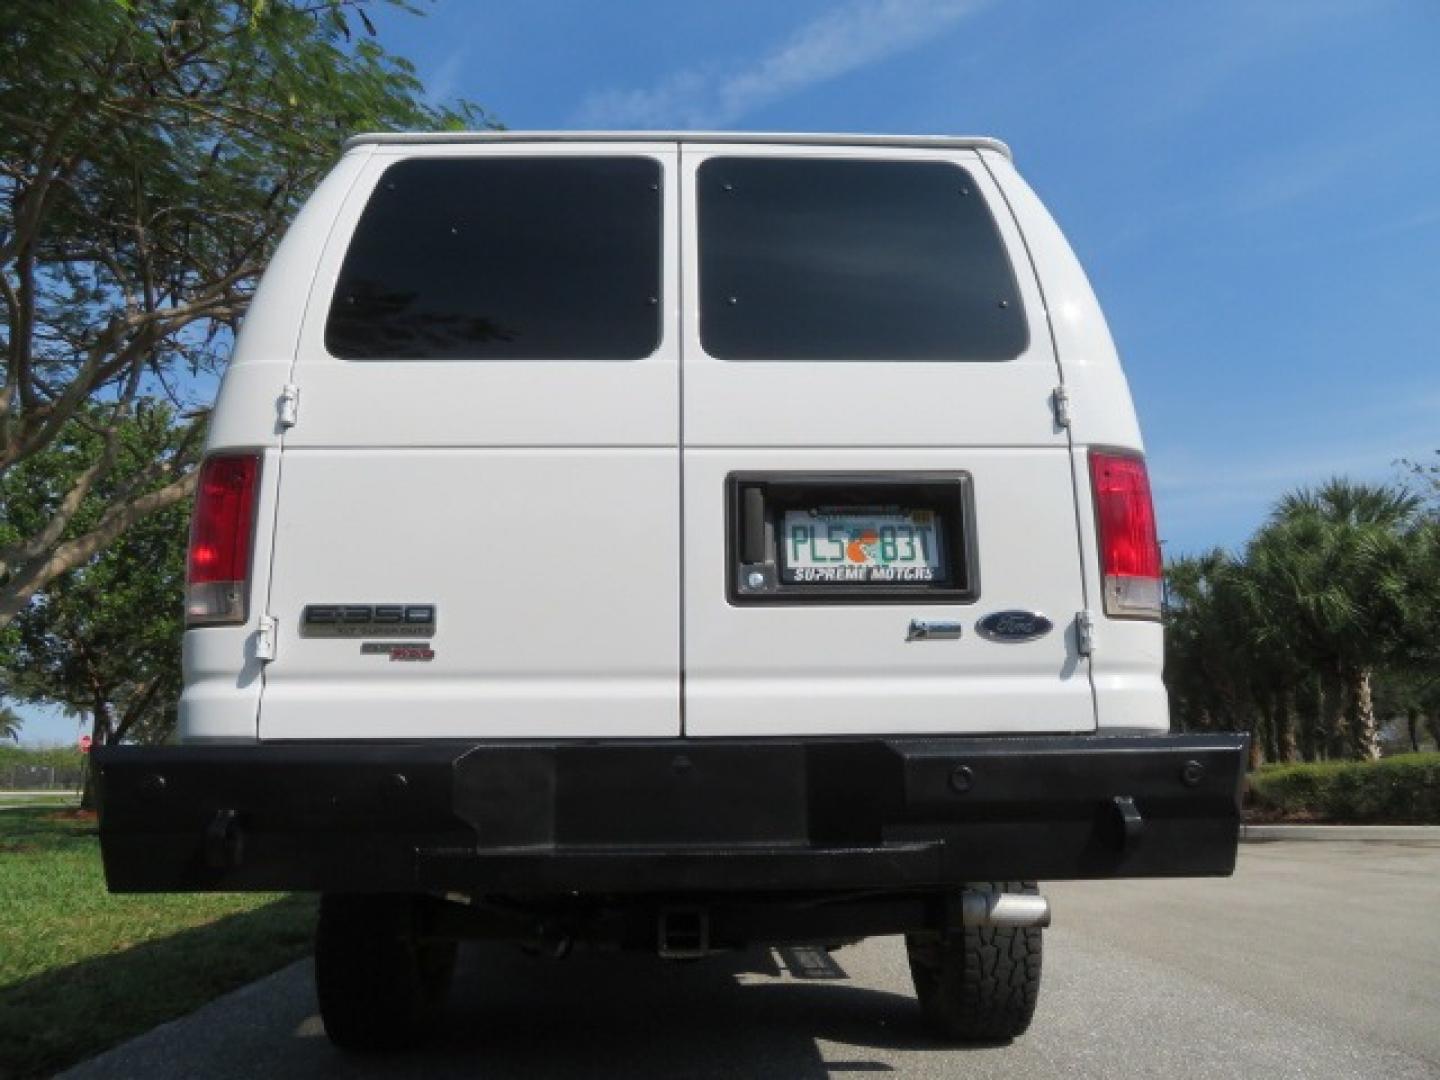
{"type": "Point", "coordinates": [859, 547]}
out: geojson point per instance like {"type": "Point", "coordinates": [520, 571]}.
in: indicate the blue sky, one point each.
{"type": "Point", "coordinates": [1254, 187]}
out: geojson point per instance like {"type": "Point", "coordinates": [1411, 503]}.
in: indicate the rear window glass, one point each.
{"type": "Point", "coordinates": [822, 259]}
{"type": "Point", "coordinates": [504, 258]}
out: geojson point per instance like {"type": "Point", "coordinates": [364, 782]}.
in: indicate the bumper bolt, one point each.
{"type": "Point", "coordinates": [394, 789]}
{"type": "Point", "coordinates": [152, 787]}
{"type": "Point", "coordinates": [1191, 773]}
{"type": "Point", "coordinates": [962, 779]}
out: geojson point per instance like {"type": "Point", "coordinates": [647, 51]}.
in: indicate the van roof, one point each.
{"type": "Point", "coordinates": [946, 142]}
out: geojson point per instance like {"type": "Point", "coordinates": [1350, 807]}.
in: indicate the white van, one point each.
{"type": "Point", "coordinates": [679, 541]}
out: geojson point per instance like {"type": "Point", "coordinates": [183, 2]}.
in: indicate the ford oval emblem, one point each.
{"type": "Point", "coordinates": [1012, 626]}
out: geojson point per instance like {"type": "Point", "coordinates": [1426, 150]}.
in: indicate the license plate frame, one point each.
{"type": "Point", "coordinates": [763, 571]}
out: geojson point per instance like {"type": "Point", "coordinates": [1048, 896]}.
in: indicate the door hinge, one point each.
{"type": "Point", "coordinates": [265, 638]}
{"type": "Point", "coordinates": [1085, 632]}
{"type": "Point", "coordinates": [1060, 402]}
{"type": "Point", "coordinates": [289, 405]}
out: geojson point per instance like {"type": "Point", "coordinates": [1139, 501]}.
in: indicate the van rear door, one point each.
{"type": "Point", "coordinates": [871, 461]}
{"type": "Point", "coordinates": [477, 531]}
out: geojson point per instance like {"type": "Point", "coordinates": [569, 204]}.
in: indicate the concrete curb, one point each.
{"type": "Point", "coordinates": [1429, 834]}
{"type": "Point", "coordinates": [56, 793]}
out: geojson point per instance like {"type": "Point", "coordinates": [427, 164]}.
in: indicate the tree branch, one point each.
{"type": "Point", "coordinates": [111, 356]}
{"type": "Point", "coordinates": [32, 547]}
{"type": "Point", "coordinates": [16, 593]}
{"type": "Point", "coordinates": [137, 708]}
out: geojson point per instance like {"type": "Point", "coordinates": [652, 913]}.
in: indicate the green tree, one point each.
{"type": "Point", "coordinates": [1425, 476]}
{"type": "Point", "coordinates": [1203, 671]}
{"type": "Point", "coordinates": [10, 723]}
{"type": "Point", "coordinates": [1332, 575]}
{"type": "Point", "coordinates": [1328, 622]}
{"type": "Point", "coordinates": [1221, 671]}
{"type": "Point", "coordinates": [150, 155]}
{"type": "Point", "coordinates": [1415, 674]}
{"type": "Point", "coordinates": [103, 638]}
{"type": "Point", "coordinates": [1411, 698]}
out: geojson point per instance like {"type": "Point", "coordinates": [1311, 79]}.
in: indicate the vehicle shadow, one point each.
{"type": "Point", "coordinates": [593, 1014]}
{"type": "Point", "coordinates": [67, 1012]}
{"type": "Point", "coordinates": [601, 1015]}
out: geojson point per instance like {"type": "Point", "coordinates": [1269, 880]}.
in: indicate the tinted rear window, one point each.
{"type": "Point", "coordinates": [504, 258]}
{"type": "Point", "coordinates": [818, 259]}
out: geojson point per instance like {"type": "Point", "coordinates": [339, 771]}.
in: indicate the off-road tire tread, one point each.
{"type": "Point", "coordinates": [379, 987]}
{"type": "Point", "coordinates": [979, 984]}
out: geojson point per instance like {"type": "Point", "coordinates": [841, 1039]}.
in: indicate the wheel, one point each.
{"type": "Point", "coordinates": [978, 983]}
{"type": "Point", "coordinates": [378, 983]}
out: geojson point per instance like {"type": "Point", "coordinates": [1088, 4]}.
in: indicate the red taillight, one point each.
{"type": "Point", "coordinates": [218, 570]}
{"type": "Point", "coordinates": [1125, 520]}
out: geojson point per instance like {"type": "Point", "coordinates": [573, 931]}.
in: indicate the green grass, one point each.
{"type": "Point", "coordinates": [81, 970]}
{"type": "Point", "coordinates": [1404, 789]}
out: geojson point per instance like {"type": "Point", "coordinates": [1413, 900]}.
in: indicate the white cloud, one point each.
{"type": "Point", "coordinates": [440, 86]}
{"type": "Point", "coordinates": [846, 39]}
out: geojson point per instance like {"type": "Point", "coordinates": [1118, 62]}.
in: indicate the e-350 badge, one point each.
{"type": "Point", "coordinates": [367, 620]}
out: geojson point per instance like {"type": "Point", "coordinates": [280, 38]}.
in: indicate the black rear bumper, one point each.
{"type": "Point", "coordinates": [673, 816]}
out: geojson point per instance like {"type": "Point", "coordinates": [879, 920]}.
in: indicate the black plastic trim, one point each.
{"type": "Point", "coordinates": [665, 816]}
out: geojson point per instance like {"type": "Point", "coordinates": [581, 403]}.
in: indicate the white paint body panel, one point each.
{"type": "Point", "coordinates": [517, 653]}
{"type": "Point", "coordinates": [395, 478]}
{"type": "Point", "coordinates": [1129, 656]}
{"type": "Point", "coordinates": [223, 680]}
{"type": "Point", "coordinates": [858, 403]}
{"type": "Point", "coordinates": [488, 403]}
{"type": "Point", "coordinates": [386, 488]}
{"type": "Point", "coordinates": [847, 669]}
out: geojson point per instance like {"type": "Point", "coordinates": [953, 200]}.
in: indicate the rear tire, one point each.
{"type": "Point", "coordinates": [379, 983]}
{"type": "Point", "coordinates": [978, 984]}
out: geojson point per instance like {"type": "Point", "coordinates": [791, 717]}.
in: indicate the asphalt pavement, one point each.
{"type": "Point", "coordinates": [1315, 960]}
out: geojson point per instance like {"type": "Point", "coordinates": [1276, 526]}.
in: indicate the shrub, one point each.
{"type": "Point", "coordinates": [60, 757]}
{"type": "Point", "coordinates": [1400, 790]}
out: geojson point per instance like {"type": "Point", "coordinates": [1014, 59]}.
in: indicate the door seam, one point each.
{"type": "Point", "coordinates": [1069, 429]}
{"type": "Point", "coordinates": [280, 444]}
{"type": "Point", "coordinates": [680, 326]}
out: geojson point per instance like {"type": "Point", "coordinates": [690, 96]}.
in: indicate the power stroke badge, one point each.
{"type": "Point", "coordinates": [368, 621]}
{"type": "Point", "coordinates": [399, 650]}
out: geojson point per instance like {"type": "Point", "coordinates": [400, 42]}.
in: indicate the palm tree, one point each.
{"type": "Point", "coordinates": [1211, 669]}
{"type": "Point", "coordinates": [1416, 689]}
{"type": "Point", "coordinates": [1344, 501]}
{"type": "Point", "coordinates": [10, 723]}
{"type": "Point", "coordinates": [1331, 575]}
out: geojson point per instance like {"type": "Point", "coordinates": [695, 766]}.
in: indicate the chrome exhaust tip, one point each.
{"type": "Point", "coordinates": [980, 907]}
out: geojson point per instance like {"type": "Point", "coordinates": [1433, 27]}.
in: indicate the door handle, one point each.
{"type": "Point", "coordinates": [752, 526]}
